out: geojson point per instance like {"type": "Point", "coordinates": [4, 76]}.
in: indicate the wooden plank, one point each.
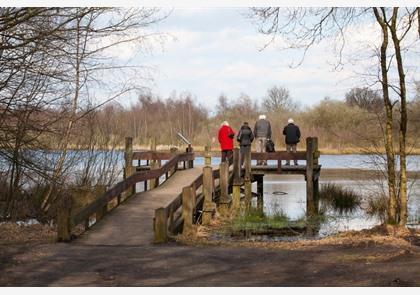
{"type": "Point", "coordinates": [282, 155]}
{"type": "Point", "coordinates": [152, 155]}
{"type": "Point", "coordinates": [121, 187]}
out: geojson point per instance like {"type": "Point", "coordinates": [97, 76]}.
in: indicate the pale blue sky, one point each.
{"type": "Point", "coordinates": [210, 51]}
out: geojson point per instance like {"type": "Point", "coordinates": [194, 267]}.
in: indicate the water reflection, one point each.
{"type": "Point", "coordinates": [293, 202]}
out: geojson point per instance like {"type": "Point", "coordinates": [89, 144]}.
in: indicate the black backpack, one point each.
{"type": "Point", "coordinates": [269, 146]}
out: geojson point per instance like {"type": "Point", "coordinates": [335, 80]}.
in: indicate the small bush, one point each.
{"type": "Point", "coordinates": [339, 199]}
{"type": "Point", "coordinates": [377, 206]}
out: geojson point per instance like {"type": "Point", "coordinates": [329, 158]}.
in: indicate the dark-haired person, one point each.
{"type": "Point", "coordinates": [245, 138]}
{"type": "Point", "coordinates": [292, 137]}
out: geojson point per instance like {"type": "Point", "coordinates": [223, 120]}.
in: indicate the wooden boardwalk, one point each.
{"type": "Point", "coordinates": [188, 196]}
{"type": "Point", "coordinates": [131, 224]}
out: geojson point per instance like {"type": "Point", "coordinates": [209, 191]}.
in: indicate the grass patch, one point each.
{"type": "Point", "coordinates": [377, 206]}
{"type": "Point", "coordinates": [256, 220]}
{"type": "Point", "coordinates": [339, 199]}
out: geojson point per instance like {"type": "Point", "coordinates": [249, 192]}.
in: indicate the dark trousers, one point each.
{"type": "Point", "coordinates": [244, 150]}
{"type": "Point", "coordinates": [227, 155]}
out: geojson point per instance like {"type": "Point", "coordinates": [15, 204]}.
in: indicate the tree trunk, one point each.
{"type": "Point", "coordinates": [389, 146]}
{"type": "Point", "coordinates": [403, 121]}
{"type": "Point", "coordinates": [64, 144]}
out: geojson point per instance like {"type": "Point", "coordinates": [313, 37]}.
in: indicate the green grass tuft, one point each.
{"type": "Point", "coordinates": [339, 199]}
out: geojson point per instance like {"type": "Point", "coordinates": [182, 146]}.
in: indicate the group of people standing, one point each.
{"type": "Point", "coordinates": [261, 134]}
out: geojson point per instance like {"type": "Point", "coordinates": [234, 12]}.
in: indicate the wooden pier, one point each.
{"type": "Point", "coordinates": [175, 197]}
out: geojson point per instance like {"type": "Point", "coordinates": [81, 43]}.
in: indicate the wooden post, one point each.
{"type": "Point", "coordinates": [161, 225]}
{"type": "Point", "coordinates": [101, 212]}
{"type": "Point", "coordinates": [63, 219]}
{"type": "Point", "coordinates": [191, 162]}
{"type": "Point", "coordinates": [316, 155]}
{"type": "Point", "coordinates": [128, 168]}
{"type": "Point", "coordinates": [174, 151]}
{"type": "Point", "coordinates": [316, 194]}
{"type": "Point", "coordinates": [247, 180]}
{"type": "Point", "coordinates": [207, 156]}
{"type": "Point", "coordinates": [209, 206]}
{"type": "Point", "coordinates": [187, 209]}
{"type": "Point", "coordinates": [154, 164]}
{"type": "Point", "coordinates": [260, 191]}
{"type": "Point", "coordinates": [310, 206]}
{"type": "Point", "coordinates": [236, 190]}
{"type": "Point", "coordinates": [224, 188]}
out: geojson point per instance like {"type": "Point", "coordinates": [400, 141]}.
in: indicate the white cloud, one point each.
{"type": "Point", "coordinates": [225, 58]}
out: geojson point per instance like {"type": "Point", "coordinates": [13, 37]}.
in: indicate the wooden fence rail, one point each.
{"type": "Point", "coordinates": [183, 211]}
{"type": "Point", "coordinates": [99, 207]}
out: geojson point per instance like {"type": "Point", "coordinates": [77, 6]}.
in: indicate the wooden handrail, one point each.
{"type": "Point", "coordinates": [123, 185]}
{"type": "Point", "coordinates": [171, 223]}
{"type": "Point", "coordinates": [282, 155]}
{"type": "Point", "coordinates": [152, 155]}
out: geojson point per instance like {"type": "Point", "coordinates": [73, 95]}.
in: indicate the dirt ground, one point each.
{"type": "Point", "coordinates": [372, 258]}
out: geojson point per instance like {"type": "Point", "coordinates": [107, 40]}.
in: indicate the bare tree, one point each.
{"type": "Point", "coordinates": [278, 99]}
{"type": "Point", "coordinates": [365, 98]}
{"type": "Point", "coordinates": [304, 27]}
{"type": "Point", "coordinates": [51, 59]}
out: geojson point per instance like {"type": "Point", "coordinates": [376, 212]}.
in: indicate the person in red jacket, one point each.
{"type": "Point", "coordinates": [226, 136]}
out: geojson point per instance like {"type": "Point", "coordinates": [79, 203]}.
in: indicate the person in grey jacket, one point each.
{"type": "Point", "coordinates": [245, 138]}
{"type": "Point", "coordinates": [262, 132]}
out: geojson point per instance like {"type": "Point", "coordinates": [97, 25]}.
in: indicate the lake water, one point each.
{"type": "Point", "coordinates": [342, 161]}
{"type": "Point", "coordinates": [292, 201]}
{"type": "Point", "coordinates": [287, 193]}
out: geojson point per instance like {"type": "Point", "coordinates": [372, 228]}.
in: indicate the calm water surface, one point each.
{"type": "Point", "coordinates": [293, 202]}
{"type": "Point", "coordinates": [287, 193]}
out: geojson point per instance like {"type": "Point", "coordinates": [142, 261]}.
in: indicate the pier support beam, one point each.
{"type": "Point", "coordinates": [260, 191]}
{"type": "Point", "coordinates": [236, 189]}
{"type": "Point", "coordinates": [247, 181]}
{"type": "Point", "coordinates": [224, 188]}
{"type": "Point", "coordinates": [209, 206]}
{"type": "Point", "coordinates": [310, 204]}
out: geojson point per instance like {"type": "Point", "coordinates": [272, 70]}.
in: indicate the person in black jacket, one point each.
{"type": "Point", "coordinates": [245, 138]}
{"type": "Point", "coordinates": [292, 133]}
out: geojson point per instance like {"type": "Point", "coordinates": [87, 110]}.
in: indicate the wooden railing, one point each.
{"type": "Point", "coordinates": [184, 210]}
{"type": "Point", "coordinates": [67, 220]}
